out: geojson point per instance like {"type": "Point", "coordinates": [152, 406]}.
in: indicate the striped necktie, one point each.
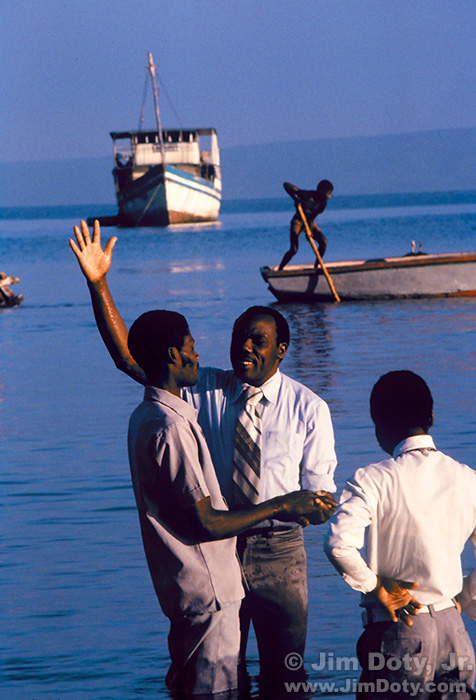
{"type": "Point", "coordinates": [247, 449]}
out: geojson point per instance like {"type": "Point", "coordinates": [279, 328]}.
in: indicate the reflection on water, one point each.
{"type": "Point", "coordinates": [79, 617]}
{"type": "Point", "coordinates": [311, 342]}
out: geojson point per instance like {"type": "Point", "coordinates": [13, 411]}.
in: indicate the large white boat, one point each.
{"type": "Point", "coordinates": [166, 176]}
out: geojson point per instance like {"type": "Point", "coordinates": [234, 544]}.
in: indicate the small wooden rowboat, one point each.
{"type": "Point", "coordinates": [411, 276]}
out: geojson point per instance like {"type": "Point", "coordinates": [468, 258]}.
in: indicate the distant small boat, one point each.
{"type": "Point", "coordinates": [7, 296]}
{"type": "Point", "coordinates": [409, 277]}
{"type": "Point", "coordinates": [164, 176]}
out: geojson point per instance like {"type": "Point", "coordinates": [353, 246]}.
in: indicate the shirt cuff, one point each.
{"type": "Point", "coordinates": [319, 482]}
{"type": "Point", "coordinates": [365, 586]}
{"type": "Point", "coordinates": [352, 567]}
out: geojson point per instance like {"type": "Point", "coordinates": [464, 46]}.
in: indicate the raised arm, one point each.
{"type": "Point", "coordinates": [292, 190]}
{"type": "Point", "coordinates": [95, 263]}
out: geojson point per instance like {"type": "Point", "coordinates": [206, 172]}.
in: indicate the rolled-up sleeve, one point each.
{"type": "Point", "coordinates": [319, 459]}
{"type": "Point", "coordinates": [177, 456]}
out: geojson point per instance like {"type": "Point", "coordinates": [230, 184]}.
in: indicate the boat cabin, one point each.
{"type": "Point", "coordinates": [179, 147]}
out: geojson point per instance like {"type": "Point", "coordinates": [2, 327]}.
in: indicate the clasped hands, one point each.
{"type": "Point", "coordinates": [308, 507]}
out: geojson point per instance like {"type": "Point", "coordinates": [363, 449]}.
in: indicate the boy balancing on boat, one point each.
{"type": "Point", "coordinates": [187, 530]}
{"type": "Point", "coordinates": [313, 203]}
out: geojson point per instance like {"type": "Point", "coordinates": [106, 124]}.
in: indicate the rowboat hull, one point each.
{"type": "Point", "coordinates": [411, 276]}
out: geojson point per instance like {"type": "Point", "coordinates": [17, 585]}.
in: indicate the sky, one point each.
{"type": "Point", "coordinates": [260, 71]}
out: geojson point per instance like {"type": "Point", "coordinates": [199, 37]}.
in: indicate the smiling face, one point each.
{"type": "Point", "coordinates": [255, 353]}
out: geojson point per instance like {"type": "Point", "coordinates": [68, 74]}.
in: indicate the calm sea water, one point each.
{"type": "Point", "coordinates": [79, 619]}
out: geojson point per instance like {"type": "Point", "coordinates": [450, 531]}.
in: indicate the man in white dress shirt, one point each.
{"type": "Point", "coordinates": [415, 512]}
{"type": "Point", "coordinates": [297, 451]}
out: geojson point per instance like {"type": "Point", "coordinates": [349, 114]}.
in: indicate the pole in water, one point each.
{"type": "Point", "coordinates": [318, 255]}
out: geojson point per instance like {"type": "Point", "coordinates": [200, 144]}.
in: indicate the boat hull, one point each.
{"type": "Point", "coordinates": [160, 198]}
{"type": "Point", "coordinates": [412, 276]}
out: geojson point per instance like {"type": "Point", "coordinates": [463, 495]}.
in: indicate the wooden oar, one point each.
{"type": "Point", "coordinates": [318, 255]}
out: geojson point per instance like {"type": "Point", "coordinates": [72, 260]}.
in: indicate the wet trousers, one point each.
{"type": "Point", "coordinates": [433, 658]}
{"type": "Point", "coordinates": [274, 564]}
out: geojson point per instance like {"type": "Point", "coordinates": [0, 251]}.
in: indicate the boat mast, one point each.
{"type": "Point", "coordinates": [151, 69]}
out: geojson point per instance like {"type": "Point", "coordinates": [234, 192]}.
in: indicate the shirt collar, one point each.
{"type": "Point", "coordinates": [152, 393]}
{"type": "Point", "coordinates": [270, 388]}
{"type": "Point", "coordinates": [416, 442]}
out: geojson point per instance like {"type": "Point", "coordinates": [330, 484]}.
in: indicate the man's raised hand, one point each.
{"type": "Point", "coordinates": [93, 260]}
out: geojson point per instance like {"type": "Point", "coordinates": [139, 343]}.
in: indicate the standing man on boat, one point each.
{"type": "Point", "coordinates": [313, 202]}
{"type": "Point", "coordinates": [415, 511]}
{"type": "Point", "coordinates": [296, 450]}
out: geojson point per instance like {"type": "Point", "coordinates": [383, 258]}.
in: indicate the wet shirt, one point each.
{"type": "Point", "coordinates": [297, 448]}
{"type": "Point", "coordinates": [171, 470]}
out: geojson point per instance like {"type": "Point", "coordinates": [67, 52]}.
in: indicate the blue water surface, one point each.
{"type": "Point", "coordinates": [79, 617]}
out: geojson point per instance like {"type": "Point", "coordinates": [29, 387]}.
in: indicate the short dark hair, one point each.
{"type": "Point", "coordinates": [282, 328]}
{"type": "Point", "coordinates": [403, 400]}
{"type": "Point", "coordinates": [152, 334]}
{"type": "Point", "coordinates": [325, 186]}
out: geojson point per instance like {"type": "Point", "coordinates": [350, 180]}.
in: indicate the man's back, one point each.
{"type": "Point", "coordinates": [313, 203]}
{"type": "Point", "coordinates": [420, 509]}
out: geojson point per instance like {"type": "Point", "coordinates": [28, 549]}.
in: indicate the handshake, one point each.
{"type": "Point", "coordinates": [325, 508]}
{"type": "Point", "coordinates": [307, 507]}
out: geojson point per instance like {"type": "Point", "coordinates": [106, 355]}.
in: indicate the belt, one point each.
{"type": "Point", "coordinates": [437, 607]}
{"type": "Point", "coordinates": [378, 613]}
{"type": "Point", "coordinates": [266, 531]}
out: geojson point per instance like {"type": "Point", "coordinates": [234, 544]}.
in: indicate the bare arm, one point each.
{"type": "Point", "coordinates": [299, 506]}
{"type": "Point", "coordinates": [292, 190]}
{"type": "Point", "coordinates": [95, 263]}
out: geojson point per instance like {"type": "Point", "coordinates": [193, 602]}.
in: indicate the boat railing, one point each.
{"type": "Point", "coordinates": [173, 152]}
